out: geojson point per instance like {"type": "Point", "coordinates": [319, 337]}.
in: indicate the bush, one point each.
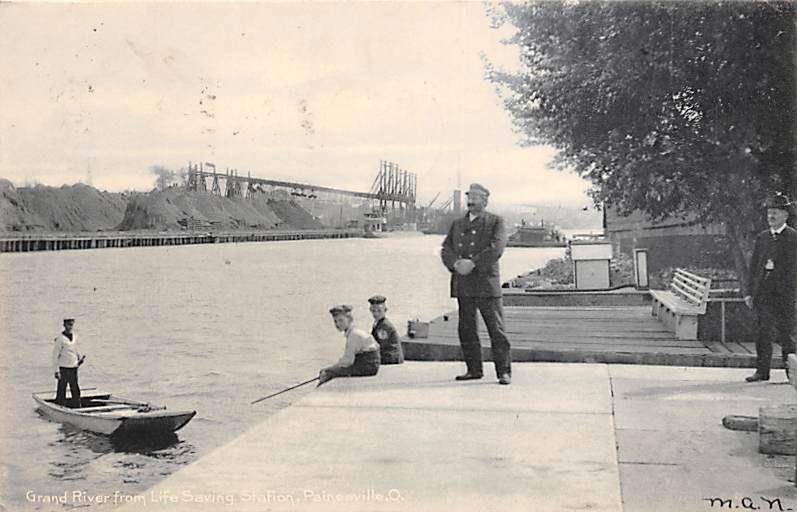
{"type": "Point", "coordinates": [622, 267]}
{"type": "Point", "coordinates": [556, 274]}
{"type": "Point", "coordinates": [720, 278]}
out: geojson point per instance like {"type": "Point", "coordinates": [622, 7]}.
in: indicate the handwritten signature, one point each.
{"type": "Point", "coordinates": [748, 503]}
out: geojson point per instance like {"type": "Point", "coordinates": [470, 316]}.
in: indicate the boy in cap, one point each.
{"type": "Point", "coordinates": [772, 285]}
{"type": "Point", "coordinates": [66, 360]}
{"type": "Point", "coordinates": [360, 357]}
{"type": "Point", "coordinates": [385, 333]}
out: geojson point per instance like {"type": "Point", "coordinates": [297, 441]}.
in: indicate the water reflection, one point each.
{"type": "Point", "coordinates": [76, 452]}
{"type": "Point", "coordinates": [207, 337]}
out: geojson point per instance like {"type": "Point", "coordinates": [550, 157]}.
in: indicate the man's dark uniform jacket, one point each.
{"type": "Point", "coordinates": [389, 342]}
{"type": "Point", "coordinates": [776, 288]}
{"type": "Point", "coordinates": [482, 241]}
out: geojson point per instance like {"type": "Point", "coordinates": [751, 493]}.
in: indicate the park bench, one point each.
{"type": "Point", "coordinates": [679, 307]}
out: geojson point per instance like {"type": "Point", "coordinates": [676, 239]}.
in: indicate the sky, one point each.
{"type": "Point", "coordinates": [308, 92]}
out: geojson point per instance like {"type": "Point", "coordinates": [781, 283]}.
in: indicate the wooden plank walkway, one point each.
{"type": "Point", "coordinates": [612, 334]}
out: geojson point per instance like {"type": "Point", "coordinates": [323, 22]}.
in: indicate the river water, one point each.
{"type": "Point", "coordinates": [207, 327]}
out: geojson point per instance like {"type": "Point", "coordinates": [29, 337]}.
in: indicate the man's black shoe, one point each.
{"type": "Point", "coordinates": [505, 379]}
{"type": "Point", "coordinates": [469, 376]}
{"type": "Point", "coordinates": [756, 377]}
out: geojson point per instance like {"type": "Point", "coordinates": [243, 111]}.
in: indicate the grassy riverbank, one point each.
{"type": "Point", "coordinates": [557, 274]}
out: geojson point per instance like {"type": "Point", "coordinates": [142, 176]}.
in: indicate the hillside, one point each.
{"type": "Point", "coordinates": [75, 208]}
{"type": "Point", "coordinates": [68, 208]}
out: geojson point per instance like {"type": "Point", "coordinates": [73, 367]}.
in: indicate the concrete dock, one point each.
{"type": "Point", "coordinates": [623, 334]}
{"type": "Point", "coordinates": [561, 437]}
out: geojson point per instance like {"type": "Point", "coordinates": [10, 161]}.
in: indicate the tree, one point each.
{"type": "Point", "coordinates": [678, 109]}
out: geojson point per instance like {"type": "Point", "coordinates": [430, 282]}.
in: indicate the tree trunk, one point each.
{"type": "Point", "coordinates": [741, 245]}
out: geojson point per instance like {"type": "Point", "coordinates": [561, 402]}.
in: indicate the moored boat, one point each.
{"type": "Point", "coordinates": [104, 413]}
{"type": "Point", "coordinates": [536, 236]}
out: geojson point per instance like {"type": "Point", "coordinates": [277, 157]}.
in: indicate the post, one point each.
{"type": "Point", "coordinates": [641, 269]}
{"type": "Point", "coordinates": [791, 364]}
{"type": "Point", "coordinates": [776, 432]}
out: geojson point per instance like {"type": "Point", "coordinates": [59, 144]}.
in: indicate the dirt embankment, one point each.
{"type": "Point", "coordinates": [76, 208]}
{"type": "Point", "coordinates": [67, 208]}
{"type": "Point", "coordinates": [168, 209]}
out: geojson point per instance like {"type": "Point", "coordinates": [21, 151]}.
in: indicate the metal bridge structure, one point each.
{"type": "Point", "coordinates": [392, 193]}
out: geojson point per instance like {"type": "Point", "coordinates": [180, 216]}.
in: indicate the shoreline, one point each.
{"type": "Point", "coordinates": [122, 239]}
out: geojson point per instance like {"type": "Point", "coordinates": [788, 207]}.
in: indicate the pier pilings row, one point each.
{"type": "Point", "coordinates": [32, 243]}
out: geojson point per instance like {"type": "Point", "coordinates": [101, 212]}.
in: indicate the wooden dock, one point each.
{"type": "Point", "coordinates": [589, 334]}
{"type": "Point", "coordinates": [60, 242]}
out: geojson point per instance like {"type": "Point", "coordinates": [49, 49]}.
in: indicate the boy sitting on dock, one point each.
{"type": "Point", "coordinates": [361, 355]}
{"type": "Point", "coordinates": [385, 333]}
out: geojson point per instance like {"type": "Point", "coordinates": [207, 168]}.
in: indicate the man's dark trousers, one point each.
{"type": "Point", "coordinates": [68, 376]}
{"type": "Point", "coordinates": [775, 324]}
{"type": "Point", "coordinates": [492, 312]}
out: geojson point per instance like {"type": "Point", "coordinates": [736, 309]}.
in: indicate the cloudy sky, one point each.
{"type": "Point", "coordinates": [315, 93]}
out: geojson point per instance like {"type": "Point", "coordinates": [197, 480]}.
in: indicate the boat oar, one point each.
{"type": "Point", "coordinates": [51, 391]}
{"type": "Point", "coordinates": [286, 389]}
{"type": "Point", "coordinates": [123, 402]}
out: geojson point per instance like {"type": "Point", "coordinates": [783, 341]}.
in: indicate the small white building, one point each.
{"type": "Point", "coordinates": [591, 265]}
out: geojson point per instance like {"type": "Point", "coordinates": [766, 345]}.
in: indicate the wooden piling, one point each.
{"type": "Point", "coordinates": [65, 242]}
{"type": "Point", "coordinates": [776, 429]}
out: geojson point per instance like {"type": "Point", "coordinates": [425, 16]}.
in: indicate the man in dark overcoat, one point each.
{"type": "Point", "coordinates": [772, 286]}
{"type": "Point", "coordinates": [471, 251]}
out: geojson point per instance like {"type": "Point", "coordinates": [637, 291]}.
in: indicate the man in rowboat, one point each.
{"type": "Point", "coordinates": [361, 355]}
{"type": "Point", "coordinates": [66, 360]}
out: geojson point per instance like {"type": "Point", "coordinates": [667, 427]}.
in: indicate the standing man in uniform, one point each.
{"type": "Point", "coordinates": [66, 360]}
{"type": "Point", "coordinates": [771, 287]}
{"type": "Point", "coordinates": [471, 251]}
{"type": "Point", "coordinates": [385, 333]}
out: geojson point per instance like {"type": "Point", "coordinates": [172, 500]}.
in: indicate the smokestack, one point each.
{"type": "Point", "coordinates": [457, 201]}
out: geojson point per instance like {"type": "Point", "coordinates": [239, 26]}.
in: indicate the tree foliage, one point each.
{"type": "Point", "coordinates": [672, 108]}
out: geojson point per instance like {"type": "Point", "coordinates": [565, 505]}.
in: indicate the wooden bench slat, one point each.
{"type": "Point", "coordinates": [696, 295]}
{"type": "Point", "coordinates": [675, 303]}
{"type": "Point", "coordinates": [695, 277]}
{"type": "Point", "coordinates": [687, 294]}
{"type": "Point", "coordinates": [679, 306]}
{"type": "Point", "coordinates": [686, 298]}
{"type": "Point", "coordinates": [691, 280]}
{"type": "Point", "coordinates": [698, 289]}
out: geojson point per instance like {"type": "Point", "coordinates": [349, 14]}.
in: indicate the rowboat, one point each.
{"type": "Point", "coordinates": [104, 413]}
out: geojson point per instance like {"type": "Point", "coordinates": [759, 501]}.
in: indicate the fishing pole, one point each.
{"type": "Point", "coordinates": [286, 389]}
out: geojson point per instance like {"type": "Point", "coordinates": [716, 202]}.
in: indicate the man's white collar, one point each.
{"type": "Point", "coordinates": [779, 230]}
